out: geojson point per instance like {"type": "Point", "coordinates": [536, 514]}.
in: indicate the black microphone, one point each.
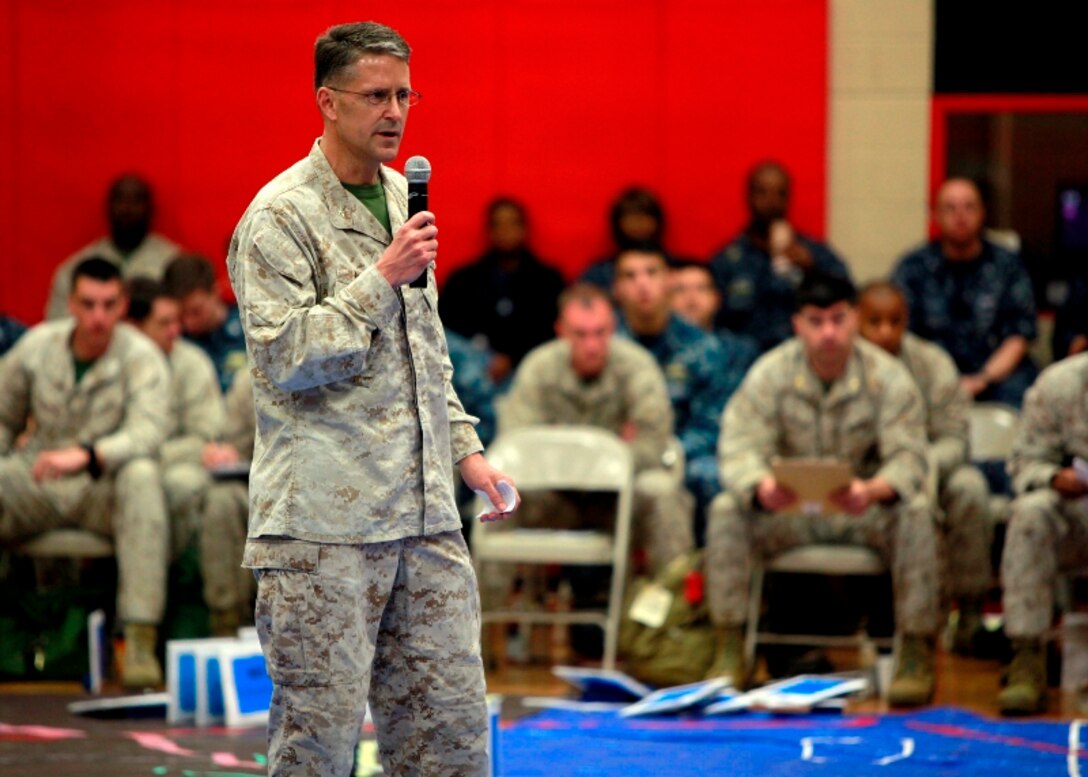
{"type": "Point", "coordinates": [418, 172]}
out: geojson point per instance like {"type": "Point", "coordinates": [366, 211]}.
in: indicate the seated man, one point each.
{"type": "Point", "coordinates": [196, 402]}
{"type": "Point", "coordinates": [1048, 530]}
{"type": "Point", "coordinates": [962, 493]}
{"type": "Point", "coordinates": [98, 392]}
{"type": "Point", "coordinates": [505, 299]}
{"type": "Point", "coordinates": [637, 220]}
{"type": "Point", "coordinates": [693, 362]}
{"type": "Point", "coordinates": [696, 299]}
{"type": "Point", "coordinates": [826, 393]}
{"type": "Point", "coordinates": [131, 244]}
{"type": "Point", "coordinates": [758, 272]}
{"type": "Point", "coordinates": [589, 377]}
{"type": "Point", "coordinates": [228, 586]}
{"type": "Point", "coordinates": [206, 319]}
{"type": "Point", "coordinates": [973, 298]}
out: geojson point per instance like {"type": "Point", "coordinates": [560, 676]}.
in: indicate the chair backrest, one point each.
{"type": "Point", "coordinates": [583, 458]}
{"type": "Point", "coordinates": [993, 428]}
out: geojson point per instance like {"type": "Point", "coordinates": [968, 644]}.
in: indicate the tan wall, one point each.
{"type": "Point", "coordinates": [881, 63]}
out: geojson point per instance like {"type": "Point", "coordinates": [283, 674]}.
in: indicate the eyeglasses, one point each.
{"type": "Point", "coordinates": [405, 97]}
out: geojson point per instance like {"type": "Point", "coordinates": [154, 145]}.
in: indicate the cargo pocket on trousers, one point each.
{"type": "Point", "coordinates": [285, 610]}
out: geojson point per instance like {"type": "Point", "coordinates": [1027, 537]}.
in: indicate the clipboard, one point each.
{"type": "Point", "coordinates": [813, 480]}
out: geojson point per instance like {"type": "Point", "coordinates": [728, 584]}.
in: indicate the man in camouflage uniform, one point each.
{"type": "Point", "coordinates": [97, 392]}
{"type": "Point", "coordinates": [759, 271]}
{"type": "Point", "coordinates": [962, 493]}
{"type": "Point", "coordinates": [131, 245]}
{"type": "Point", "coordinates": [364, 585]}
{"type": "Point", "coordinates": [1048, 530]}
{"type": "Point", "coordinates": [827, 394]}
{"type": "Point", "coordinates": [589, 377]}
{"type": "Point", "coordinates": [207, 321]}
{"type": "Point", "coordinates": [196, 403]}
{"type": "Point", "coordinates": [693, 362]}
{"type": "Point", "coordinates": [228, 587]}
{"type": "Point", "coordinates": [972, 297]}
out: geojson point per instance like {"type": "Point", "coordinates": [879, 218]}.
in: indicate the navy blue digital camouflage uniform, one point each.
{"type": "Point", "coordinates": [226, 347]}
{"type": "Point", "coordinates": [970, 308]}
{"type": "Point", "coordinates": [473, 383]}
{"type": "Point", "coordinates": [757, 302]}
{"type": "Point", "coordinates": [701, 373]}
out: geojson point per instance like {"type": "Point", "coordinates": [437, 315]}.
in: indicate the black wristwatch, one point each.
{"type": "Point", "coordinates": [94, 469]}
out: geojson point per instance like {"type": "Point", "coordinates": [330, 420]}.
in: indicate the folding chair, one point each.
{"type": "Point", "coordinates": [820, 559]}
{"type": "Point", "coordinates": [575, 458]}
{"type": "Point", "coordinates": [70, 544]}
{"type": "Point", "coordinates": [992, 428]}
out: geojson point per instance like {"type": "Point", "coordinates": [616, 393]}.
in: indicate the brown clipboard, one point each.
{"type": "Point", "coordinates": [813, 480]}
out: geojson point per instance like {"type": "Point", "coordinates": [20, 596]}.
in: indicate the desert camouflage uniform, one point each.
{"type": "Point", "coordinates": [228, 586]}
{"type": "Point", "coordinates": [962, 493]}
{"type": "Point", "coordinates": [121, 406]}
{"type": "Point", "coordinates": [149, 260]}
{"type": "Point", "coordinates": [197, 418]}
{"type": "Point", "coordinates": [631, 389]}
{"type": "Point", "coordinates": [871, 417]}
{"type": "Point", "coordinates": [358, 429]}
{"type": "Point", "coordinates": [1046, 534]}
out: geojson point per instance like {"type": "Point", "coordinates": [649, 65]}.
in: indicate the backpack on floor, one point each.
{"type": "Point", "coordinates": [666, 637]}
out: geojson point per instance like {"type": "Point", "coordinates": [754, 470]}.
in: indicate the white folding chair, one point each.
{"type": "Point", "coordinates": [67, 543]}
{"type": "Point", "coordinates": [992, 428]}
{"type": "Point", "coordinates": [819, 559]}
{"type": "Point", "coordinates": [574, 458]}
{"type": "Point", "coordinates": [71, 544]}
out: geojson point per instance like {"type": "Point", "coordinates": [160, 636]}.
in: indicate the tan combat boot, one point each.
{"type": "Point", "coordinates": [729, 656]}
{"type": "Point", "coordinates": [140, 668]}
{"type": "Point", "coordinates": [915, 678]}
{"type": "Point", "coordinates": [1025, 689]}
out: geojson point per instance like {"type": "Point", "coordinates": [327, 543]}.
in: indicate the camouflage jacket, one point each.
{"type": "Point", "coordinates": [872, 417]}
{"type": "Point", "coordinates": [149, 260]}
{"type": "Point", "coordinates": [631, 388]}
{"type": "Point", "coordinates": [1053, 425]}
{"type": "Point", "coordinates": [197, 405]}
{"type": "Point", "coordinates": [121, 405]}
{"type": "Point", "coordinates": [358, 425]}
{"type": "Point", "coordinates": [240, 427]}
{"type": "Point", "coordinates": [946, 403]}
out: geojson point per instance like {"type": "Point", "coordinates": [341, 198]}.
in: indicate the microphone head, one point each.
{"type": "Point", "coordinates": [417, 169]}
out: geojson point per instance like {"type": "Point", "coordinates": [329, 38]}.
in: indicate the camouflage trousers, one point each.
{"type": "Point", "coordinates": [967, 534]}
{"type": "Point", "coordinates": [397, 623]}
{"type": "Point", "coordinates": [1046, 535]}
{"type": "Point", "coordinates": [227, 585]}
{"type": "Point", "coordinates": [128, 506]}
{"type": "Point", "coordinates": [185, 485]}
{"type": "Point", "coordinates": [904, 536]}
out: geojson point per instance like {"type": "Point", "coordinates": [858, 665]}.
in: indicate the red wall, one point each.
{"type": "Point", "coordinates": [560, 103]}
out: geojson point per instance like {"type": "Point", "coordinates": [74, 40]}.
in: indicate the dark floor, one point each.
{"type": "Point", "coordinates": [38, 736]}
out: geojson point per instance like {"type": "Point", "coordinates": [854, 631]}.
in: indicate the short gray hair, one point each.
{"type": "Point", "coordinates": [340, 47]}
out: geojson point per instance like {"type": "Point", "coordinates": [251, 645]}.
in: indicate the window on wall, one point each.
{"type": "Point", "coordinates": [1010, 110]}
